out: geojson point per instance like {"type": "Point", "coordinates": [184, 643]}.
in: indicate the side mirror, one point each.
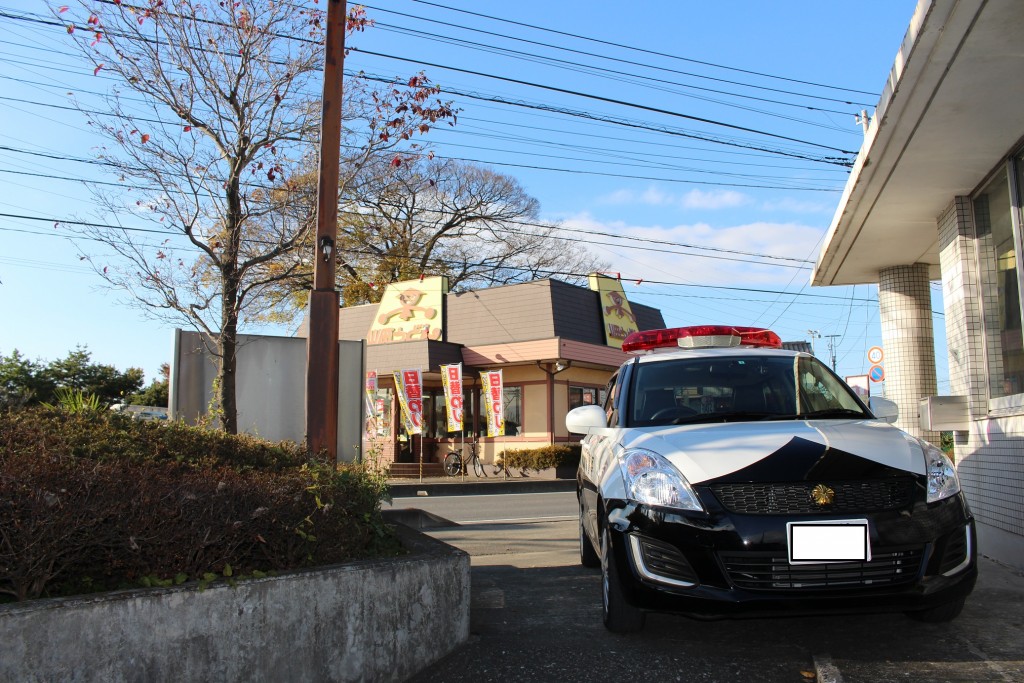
{"type": "Point", "coordinates": [884, 409]}
{"type": "Point", "coordinates": [581, 420]}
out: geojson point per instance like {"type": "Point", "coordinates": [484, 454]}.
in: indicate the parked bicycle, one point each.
{"type": "Point", "coordinates": [453, 462]}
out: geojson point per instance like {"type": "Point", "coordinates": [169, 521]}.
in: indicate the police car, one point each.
{"type": "Point", "coordinates": [725, 476]}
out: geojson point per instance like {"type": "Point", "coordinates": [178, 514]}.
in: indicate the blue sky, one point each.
{"type": "Point", "coordinates": [724, 231]}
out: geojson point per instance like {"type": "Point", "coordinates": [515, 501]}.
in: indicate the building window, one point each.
{"type": "Point", "coordinates": [513, 410]}
{"type": "Point", "coordinates": [584, 396]}
{"type": "Point", "coordinates": [997, 231]}
{"type": "Point", "coordinates": [513, 399]}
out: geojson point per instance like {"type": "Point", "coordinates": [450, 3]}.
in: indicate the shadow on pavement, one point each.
{"type": "Point", "coordinates": [544, 624]}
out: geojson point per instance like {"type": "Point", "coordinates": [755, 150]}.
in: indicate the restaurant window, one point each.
{"type": "Point", "coordinates": [437, 424]}
{"type": "Point", "coordinates": [513, 398]}
{"type": "Point", "coordinates": [435, 421]}
{"type": "Point", "coordinates": [583, 396]}
{"type": "Point", "coordinates": [997, 221]}
{"type": "Point", "coordinates": [513, 410]}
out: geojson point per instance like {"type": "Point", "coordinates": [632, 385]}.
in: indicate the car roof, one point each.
{"type": "Point", "coordinates": [715, 352]}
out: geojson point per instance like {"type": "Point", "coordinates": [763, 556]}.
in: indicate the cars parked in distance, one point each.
{"type": "Point", "coordinates": [725, 476]}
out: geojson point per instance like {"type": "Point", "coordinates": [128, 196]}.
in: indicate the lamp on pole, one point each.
{"type": "Point", "coordinates": [813, 334]}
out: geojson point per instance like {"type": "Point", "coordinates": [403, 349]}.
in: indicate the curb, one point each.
{"type": "Point", "coordinates": [401, 489]}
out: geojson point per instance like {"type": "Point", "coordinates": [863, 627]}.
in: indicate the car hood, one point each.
{"type": "Point", "coordinates": [782, 451]}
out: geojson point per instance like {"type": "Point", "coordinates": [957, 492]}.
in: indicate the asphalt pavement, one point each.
{"type": "Point", "coordinates": [536, 616]}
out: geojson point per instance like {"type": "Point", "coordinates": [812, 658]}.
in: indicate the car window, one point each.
{"type": "Point", "coordinates": [736, 388]}
{"type": "Point", "coordinates": [821, 391]}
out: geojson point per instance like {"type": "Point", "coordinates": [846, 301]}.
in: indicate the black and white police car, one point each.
{"type": "Point", "coordinates": [725, 476]}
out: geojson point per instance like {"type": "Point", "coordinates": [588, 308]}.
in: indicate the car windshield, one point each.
{"type": "Point", "coordinates": [737, 389]}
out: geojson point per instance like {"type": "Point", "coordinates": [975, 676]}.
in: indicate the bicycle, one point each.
{"type": "Point", "coordinates": [453, 462]}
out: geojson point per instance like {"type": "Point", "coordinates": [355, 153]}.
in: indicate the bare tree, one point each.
{"type": "Point", "coordinates": [214, 154]}
{"type": "Point", "coordinates": [426, 216]}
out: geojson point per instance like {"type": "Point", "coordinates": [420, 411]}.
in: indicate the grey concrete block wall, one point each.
{"type": "Point", "coordinates": [379, 620]}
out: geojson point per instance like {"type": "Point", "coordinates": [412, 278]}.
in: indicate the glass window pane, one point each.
{"type": "Point", "coordinates": [997, 261]}
{"type": "Point", "coordinates": [583, 396]}
{"type": "Point", "coordinates": [513, 397]}
{"type": "Point", "coordinates": [438, 409]}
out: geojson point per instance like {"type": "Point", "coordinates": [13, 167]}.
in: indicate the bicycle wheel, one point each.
{"type": "Point", "coordinates": [478, 467]}
{"type": "Point", "coordinates": [452, 464]}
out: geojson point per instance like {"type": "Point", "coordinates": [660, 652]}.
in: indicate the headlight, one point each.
{"type": "Point", "coordinates": [942, 479]}
{"type": "Point", "coordinates": [652, 480]}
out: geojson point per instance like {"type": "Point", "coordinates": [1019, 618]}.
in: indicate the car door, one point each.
{"type": "Point", "coordinates": [595, 451]}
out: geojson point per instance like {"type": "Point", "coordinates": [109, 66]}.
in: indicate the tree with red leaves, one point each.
{"type": "Point", "coordinates": [210, 129]}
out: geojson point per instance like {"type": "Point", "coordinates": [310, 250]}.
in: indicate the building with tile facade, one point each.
{"type": "Point", "coordinates": [936, 194]}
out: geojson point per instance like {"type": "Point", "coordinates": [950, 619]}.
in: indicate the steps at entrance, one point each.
{"type": "Point", "coordinates": [411, 470]}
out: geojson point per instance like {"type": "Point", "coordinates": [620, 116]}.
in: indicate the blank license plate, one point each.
{"type": "Point", "coordinates": [845, 541]}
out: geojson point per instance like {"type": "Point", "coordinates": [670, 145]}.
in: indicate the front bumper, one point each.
{"type": "Point", "coordinates": [730, 565]}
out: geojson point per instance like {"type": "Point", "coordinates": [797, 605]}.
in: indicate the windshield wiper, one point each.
{"type": "Point", "coordinates": [830, 412]}
{"type": "Point", "coordinates": [738, 416]}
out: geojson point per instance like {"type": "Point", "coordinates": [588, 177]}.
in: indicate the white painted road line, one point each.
{"type": "Point", "coordinates": [518, 519]}
{"type": "Point", "coordinates": [826, 670]}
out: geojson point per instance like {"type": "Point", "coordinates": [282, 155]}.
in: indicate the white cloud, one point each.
{"type": "Point", "coordinates": [799, 206]}
{"type": "Point", "coordinates": [694, 199]}
{"type": "Point", "coordinates": [716, 263]}
{"type": "Point", "coordinates": [619, 197]}
{"type": "Point", "coordinates": [716, 199]}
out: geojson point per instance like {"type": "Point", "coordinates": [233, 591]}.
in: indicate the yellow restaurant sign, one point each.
{"type": "Point", "coordinates": [410, 311]}
{"type": "Point", "coordinates": [616, 314]}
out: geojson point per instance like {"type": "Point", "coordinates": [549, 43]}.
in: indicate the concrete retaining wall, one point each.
{"type": "Point", "coordinates": [380, 620]}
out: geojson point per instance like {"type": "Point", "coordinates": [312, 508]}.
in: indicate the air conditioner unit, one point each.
{"type": "Point", "coordinates": [944, 413]}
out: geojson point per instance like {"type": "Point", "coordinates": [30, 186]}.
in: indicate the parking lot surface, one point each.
{"type": "Point", "coordinates": [536, 616]}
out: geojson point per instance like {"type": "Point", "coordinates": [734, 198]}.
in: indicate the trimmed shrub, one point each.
{"type": "Point", "coordinates": [96, 502]}
{"type": "Point", "coordinates": [526, 459]}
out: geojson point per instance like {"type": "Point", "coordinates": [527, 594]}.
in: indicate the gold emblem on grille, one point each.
{"type": "Point", "coordinates": [823, 495]}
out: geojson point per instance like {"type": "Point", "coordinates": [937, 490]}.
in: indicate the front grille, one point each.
{"type": "Point", "coordinates": [772, 571]}
{"type": "Point", "coordinates": [795, 498]}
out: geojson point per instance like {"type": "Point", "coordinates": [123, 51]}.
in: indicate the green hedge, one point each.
{"type": "Point", "coordinates": [97, 501]}
{"type": "Point", "coordinates": [559, 455]}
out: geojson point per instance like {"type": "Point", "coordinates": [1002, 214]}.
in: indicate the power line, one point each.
{"type": "Point", "coordinates": [526, 56]}
{"type": "Point", "coordinates": [609, 100]}
{"type": "Point", "coordinates": [644, 50]}
{"type": "Point", "coordinates": [364, 252]}
{"type": "Point", "coordinates": [787, 262]}
{"type": "Point", "coordinates": [843, 162]}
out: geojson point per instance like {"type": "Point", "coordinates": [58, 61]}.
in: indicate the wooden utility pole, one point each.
{"type": "Point", "coordinates": [322, 343]}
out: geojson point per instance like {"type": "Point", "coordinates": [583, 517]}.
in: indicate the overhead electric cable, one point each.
{"type": "Point", "coordinates": [640, 49]}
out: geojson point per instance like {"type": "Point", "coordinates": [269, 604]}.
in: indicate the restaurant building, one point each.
{"type": "Point", "coordinates": [556, 345]}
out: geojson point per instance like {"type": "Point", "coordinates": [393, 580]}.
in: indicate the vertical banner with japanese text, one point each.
{"type": "Point", "coordinates": [410, 396]}
{"type": "Point", "coordinates": [494, 403]}
{"type": "Point", "coordinates": [451, 378]}
{"type": "Point", "coordinates": [371, 393]}
{"type": "Point", "coordinates": [370, 396]}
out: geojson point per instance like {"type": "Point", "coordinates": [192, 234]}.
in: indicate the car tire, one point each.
{"type": "Point", "coordinates": [945, 612]}
{"type": "Point", "coordinates": [588, 556]}
{"type": "Point", "coordinates": [619, 615]}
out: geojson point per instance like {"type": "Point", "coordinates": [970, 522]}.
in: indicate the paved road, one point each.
{"type": "Point", "coordinates": [484, 509]}
{"type": "Point", "coordinates": [536, 617]}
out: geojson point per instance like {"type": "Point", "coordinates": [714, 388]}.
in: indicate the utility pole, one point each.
{"type": "Point", "coordinates": [322, 343]}
{"type": "Point", "coordinates": [832, 348]}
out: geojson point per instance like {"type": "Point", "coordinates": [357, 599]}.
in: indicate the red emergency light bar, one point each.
{"type": "Point", "coordinates": [701, 336]}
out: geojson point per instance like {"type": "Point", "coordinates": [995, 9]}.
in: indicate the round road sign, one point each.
{"type": "Point", "coordinates": [876, 373]}
{"type": "Point", "coordinates": [875, 355]}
